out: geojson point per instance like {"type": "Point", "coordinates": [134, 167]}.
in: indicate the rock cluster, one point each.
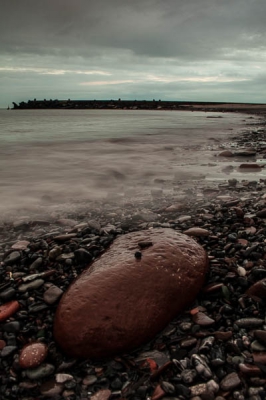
{"type": "Point", "coordinates": [214, 349]}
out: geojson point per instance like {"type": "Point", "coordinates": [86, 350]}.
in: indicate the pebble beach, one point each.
{"type": "Point", "coordinates": [215, 349]}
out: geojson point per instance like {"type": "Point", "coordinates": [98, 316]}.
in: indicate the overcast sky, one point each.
{"type": "Point", "coordinates": [205, 50]}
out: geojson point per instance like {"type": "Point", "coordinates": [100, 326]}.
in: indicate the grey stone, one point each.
{"type": "Point", "coordinates": [52, 294]}
{"type": "Point", "coordinates": [13, 326]}
{"type": "Point", "coordinates": [12, 258]}
{"type": "Point", "coordinates": [30, 286]}
{"type": "Point", "coordinates": [40, 372]}
{"type": "Point", "coordinates": [82, 256]}
{"type": "Point", "coordinates": [7, 351]}
{"type": "Point", "coordinates": [230, 382]}
{"type": "Point", "coordinates": [8, 294]}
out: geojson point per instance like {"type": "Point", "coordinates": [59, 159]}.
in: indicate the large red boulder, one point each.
{"type": "Point", "coordinates": [130, 293]}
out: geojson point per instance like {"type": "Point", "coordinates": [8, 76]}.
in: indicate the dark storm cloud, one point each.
{"type": "Point", "coordinates": [192, 29]}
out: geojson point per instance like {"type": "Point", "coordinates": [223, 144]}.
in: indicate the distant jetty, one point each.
{"type": "Point", "coordinates": [137, 105]}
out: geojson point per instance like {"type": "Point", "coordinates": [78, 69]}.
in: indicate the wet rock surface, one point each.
{"type": "Point", "coordinates": [127, 296]}
{"type": "Point", "coordinates": [32, 355]}
{"type": "Point", "coordinates": [224, 359]}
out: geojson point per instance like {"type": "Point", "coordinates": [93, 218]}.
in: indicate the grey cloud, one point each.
{"type": "Point", "coordinates": [155, 48]}
{"type": "Point", "coordinates": [193, 29]}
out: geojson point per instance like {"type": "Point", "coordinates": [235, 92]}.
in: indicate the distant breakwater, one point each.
{"type": "Point", "coordinates": [134, 105]}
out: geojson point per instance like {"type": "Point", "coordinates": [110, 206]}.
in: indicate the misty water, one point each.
{"type": "Point", "coordinates": [54, 158]}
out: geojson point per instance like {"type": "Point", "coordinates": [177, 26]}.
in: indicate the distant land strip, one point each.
{"type": "Point", "coordinates": [139, 105]}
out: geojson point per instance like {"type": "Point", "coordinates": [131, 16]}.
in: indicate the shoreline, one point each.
{"type": "Point", "coordinates": [231, 212]}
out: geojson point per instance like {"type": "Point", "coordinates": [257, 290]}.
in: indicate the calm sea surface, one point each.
{"type": "Point", "coordinates": [63, 156]}
{"type": "Point", "coordinates": [38, 126]}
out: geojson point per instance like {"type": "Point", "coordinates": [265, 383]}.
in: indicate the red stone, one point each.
{"type": "Point", "coordinates": [32, 355]}
{"type": "Point", "coordinates": [261, 335]}
{"type": "Point", "coordinates": [121, 302]}
{"type": "Point", "coordinates": [212, 287]}
{"type": "Point", "coordinates": [249, 166]}
{"type": "Point", "coordinates": [244, 242]}
{"type": "Point", "coordinates": [250, 370]}
{"type": "Point", "coordinates": [226, 153]}
{"type": "Point", "coordinates": [251, 229]}
{"type": "Point", "coordinates": [194, 311]}
{"type": "Point", "coordinates": [158, 393]}
{"type": "Point", "coordinates": [239, 212]}
{"type": "Point", "coordinates": [51, 388]}
{"type": "Point", "coordinates": [261, 213]}
{"type": "Point", "coordinates": [8, 309]}
{"type": "Point", "coordinates": [64, 238]}
{"type": "Point", "coordinates": [2, 344]}
{"type": "Point", "coordinates": [249, 265]}
{"type": "Point", "coordinates": [21, 245]}
{"type": "Point", "coordinates": [196, 231]}
{"type": "Point", "coordinates": [202, 319]}
{"type": "Point", "coordinates": [101, 395]}
{"type": "Point", "coordinates": [226, 335]}
{"type": "Point", "coordinates": [258, 290]}
{"type": "Point", "coordinates": [259, 357]}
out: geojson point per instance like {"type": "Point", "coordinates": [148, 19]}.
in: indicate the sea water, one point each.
{"type": "Point", "coordinates": [68, 156]}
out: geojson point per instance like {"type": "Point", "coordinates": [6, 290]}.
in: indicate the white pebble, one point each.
{"type": "Point", "coordinates": [241, 271]}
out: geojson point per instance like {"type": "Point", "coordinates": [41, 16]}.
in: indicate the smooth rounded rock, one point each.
{"type": "Point", "coordinates": [82, 256]}
{"type": "Point", "coordinates": [121, 301]}
{"type": "Point", "coordinates": [2, 344]}
{"type": "Point", "coordinates": [258, 290]}
{"type": "Point", "coordinates": [257, 346]}
{"type": "Point", "coordinates": [249, 166]}
{"type": "Point", "coordinates": [32, 355]}
{"type": "Point", "coordinates": [249, 322]}
{"type": "Point", "coordinates": [196, 231]}
{"type": "Point", "coordinates": [230, 382]}
{"type": "Point", "coordinates": [223, 335]}
{"type": "Point", "coordinates": [245, 153]}
{"type": "Point", "coordinates": [259, 357]}
{"type": "Point", "coordinates": [51, 389]}
{"type": "Point", "coordinates": [250, 369]}
{"type": "Point", "coordinates": [21, 245]}
{"type": "Point", "coordinates": [12, 258]}
{"type": "Point", "coordinates": [40, 372]}
{"type": "Point", "coordinates": [8, 309]}
{"type": "Point", "coordinates": [11, 327]}
{"type": "Point", "coordinates": [103, 394]}
{"type": "Point", "coordinates": [261, 335]}
{"type": "Point", "coordinates": [30, 285]}
{"type": "Point", "coordinates": [261, 213]}
{"type": "Point", "coordinates": [202, 319]}
{"type": "Point", "coordinates": [52, 294]}
{"type": "Point", "coordinates": [67, 222]}
{"type": "Point", "coordinates": [8, 294]}
{"type": "Point", "coordinates": [226, 153]}
{"type": "Point", "coordinates": [7, 351]}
